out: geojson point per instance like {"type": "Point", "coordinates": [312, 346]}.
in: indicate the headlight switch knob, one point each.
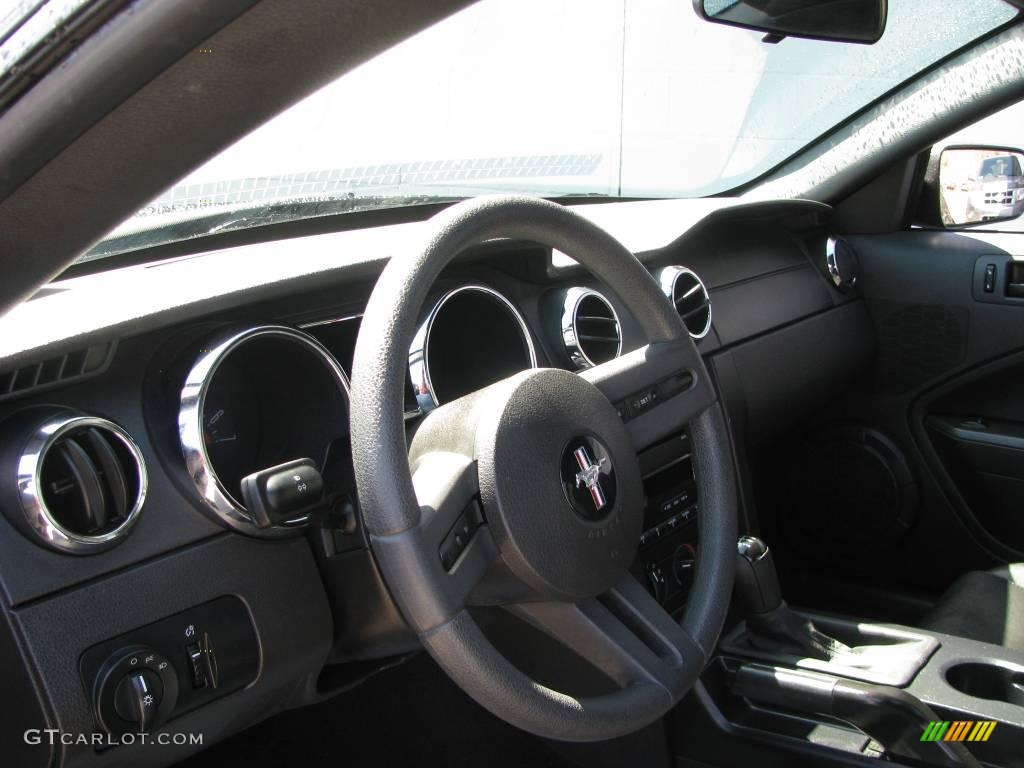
{"type": "Point", "coordinates": [135, 691]}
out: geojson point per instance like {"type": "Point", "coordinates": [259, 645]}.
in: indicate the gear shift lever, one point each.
{"type": "Point", "coordinates": [771, 624]}
{"type": "Point", "coordinates": [757, 583]}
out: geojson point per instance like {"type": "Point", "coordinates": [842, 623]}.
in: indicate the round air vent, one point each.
{"type": "Point", "coordinates": [590, 328]}
{"type": "Point", "coordinates": [81, 482]}
{"type": "Point", "coordinates": [841, 260]}
{"type": "Point", "coordinates": [690, 298]}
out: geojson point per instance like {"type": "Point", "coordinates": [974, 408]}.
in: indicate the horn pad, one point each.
{"type": "Point", "coordinates": [560, 483]}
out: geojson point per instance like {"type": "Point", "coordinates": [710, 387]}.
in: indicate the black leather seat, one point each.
{"type": "Point", "coordinates": [984, 605]}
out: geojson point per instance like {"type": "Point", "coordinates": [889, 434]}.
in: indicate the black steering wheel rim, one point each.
{"type": "Point", "coordinates": [411, 498]}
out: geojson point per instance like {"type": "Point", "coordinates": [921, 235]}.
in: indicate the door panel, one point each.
{"type": "Point", "coordinates": [947, 368]}
{"type": "Point", "coordinates": [944, 358]}
{"type": "Point", "coordinates": [974, 428]}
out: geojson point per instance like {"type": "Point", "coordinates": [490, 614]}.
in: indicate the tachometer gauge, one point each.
{"type": "Point", "coordinates": [218, 428]}
{"type": "Point", "coordinates": [259, 398]}
{"type": "Point", "coordinates": [231, 427]}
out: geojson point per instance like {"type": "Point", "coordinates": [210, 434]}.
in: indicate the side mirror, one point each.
{"type": "Point", "coordinates": [979, 185]}
{"type": "Point", "coordinates": [848, 21]}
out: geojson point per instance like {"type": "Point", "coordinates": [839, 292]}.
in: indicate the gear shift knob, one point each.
{"type": "Point", "coordinates": [757, 583]}
{"type": "Point", "coordinates": [771, 624]}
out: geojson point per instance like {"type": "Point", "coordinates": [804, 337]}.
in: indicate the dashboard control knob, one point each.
{"type": "Point", "coordinates": [138, 697]}
{"type": "Point", "coordinates": [656, 582]}
{"type": "Point", "coordinates": [136, 690]}
{"type": "Point", "coordinates": [684, 562]}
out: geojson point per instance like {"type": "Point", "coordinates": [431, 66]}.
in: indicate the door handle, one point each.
{"type": "Point", "coordinates": [998, 279]}
{"type": "Point", "coordinates": [998, 434]}
{"type": "Point", "coordinates": [1015, 279]}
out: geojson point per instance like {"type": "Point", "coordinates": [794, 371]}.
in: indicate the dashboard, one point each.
{"type": "Point", "coordinates": [177, 478]}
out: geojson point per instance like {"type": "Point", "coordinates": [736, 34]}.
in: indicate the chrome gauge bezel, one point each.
{"type": "Point", "coordinates": [215, 500]}
{"type": "Point", "coordinates": [419, 362]}
{"type": "Point", "coordinates": [357, 317]}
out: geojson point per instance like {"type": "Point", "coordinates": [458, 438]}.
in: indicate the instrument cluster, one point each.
{"type": "Point", "coordinates": [274, 398]}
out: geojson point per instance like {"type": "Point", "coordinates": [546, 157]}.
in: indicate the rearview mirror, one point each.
{"type": "Point", "coordinates": [980, 185]}
{"type": "Point", "coordinates": [849, 21]}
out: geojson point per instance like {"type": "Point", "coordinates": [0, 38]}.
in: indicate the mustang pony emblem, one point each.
{"type": "Point", "coordinates": [590, 476]}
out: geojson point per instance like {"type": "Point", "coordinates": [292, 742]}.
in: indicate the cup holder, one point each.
{"type": "Point", "coordinates": [988, 681]}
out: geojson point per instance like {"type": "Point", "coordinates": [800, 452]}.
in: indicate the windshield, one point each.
{"type": "Point", "coordinates": [603, 98]}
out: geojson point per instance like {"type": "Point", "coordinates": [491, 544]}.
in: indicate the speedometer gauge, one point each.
{"type": "Point", "coordinates": [473, 337]}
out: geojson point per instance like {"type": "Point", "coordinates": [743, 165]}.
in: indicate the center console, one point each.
{"type": "Point", "coordinates": [668, 544]}
{"type": "Point", "coordinates": [842, 691]}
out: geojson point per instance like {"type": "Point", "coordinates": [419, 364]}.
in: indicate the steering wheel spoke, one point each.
{"type": "Point", "coordinates": [657, 389]}
{"type": "Point", "coordinates": [624, 633]}
{"type": "Point", "coordinates": [452, 522]}
{"type": "Point", "coordinates": [448, 493]}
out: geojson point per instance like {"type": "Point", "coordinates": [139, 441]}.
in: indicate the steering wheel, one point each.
{"type": "Point", "coordinates": [558, 530]}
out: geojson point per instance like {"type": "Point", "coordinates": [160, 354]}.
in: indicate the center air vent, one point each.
{"type": "Point", "coordinates": [81, 482]}
{"type": "Point", "coordinates": [590, 328]}
{"type": "Point", "coordinates": [690, 298]}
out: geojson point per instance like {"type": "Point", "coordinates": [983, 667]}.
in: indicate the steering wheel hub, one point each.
{"type": "Point", "coordinates": [550, 444]}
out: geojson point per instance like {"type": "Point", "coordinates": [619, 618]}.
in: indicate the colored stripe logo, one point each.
{"type": "Point", "coordinates": [959, 730]}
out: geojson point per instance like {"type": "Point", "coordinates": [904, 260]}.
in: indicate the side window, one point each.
{"type": "Point", "coordinates": [984, 188]}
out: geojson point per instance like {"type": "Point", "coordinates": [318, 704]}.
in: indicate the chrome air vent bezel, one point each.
{"type": "Point", "coordinates": [575, 345]}
{"type": "Point", "coordinates": [39, 520]}
{"type": "Point", "coordinates": [841, 262]}
{"type": "Point", "coordinates": [673, 281]}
